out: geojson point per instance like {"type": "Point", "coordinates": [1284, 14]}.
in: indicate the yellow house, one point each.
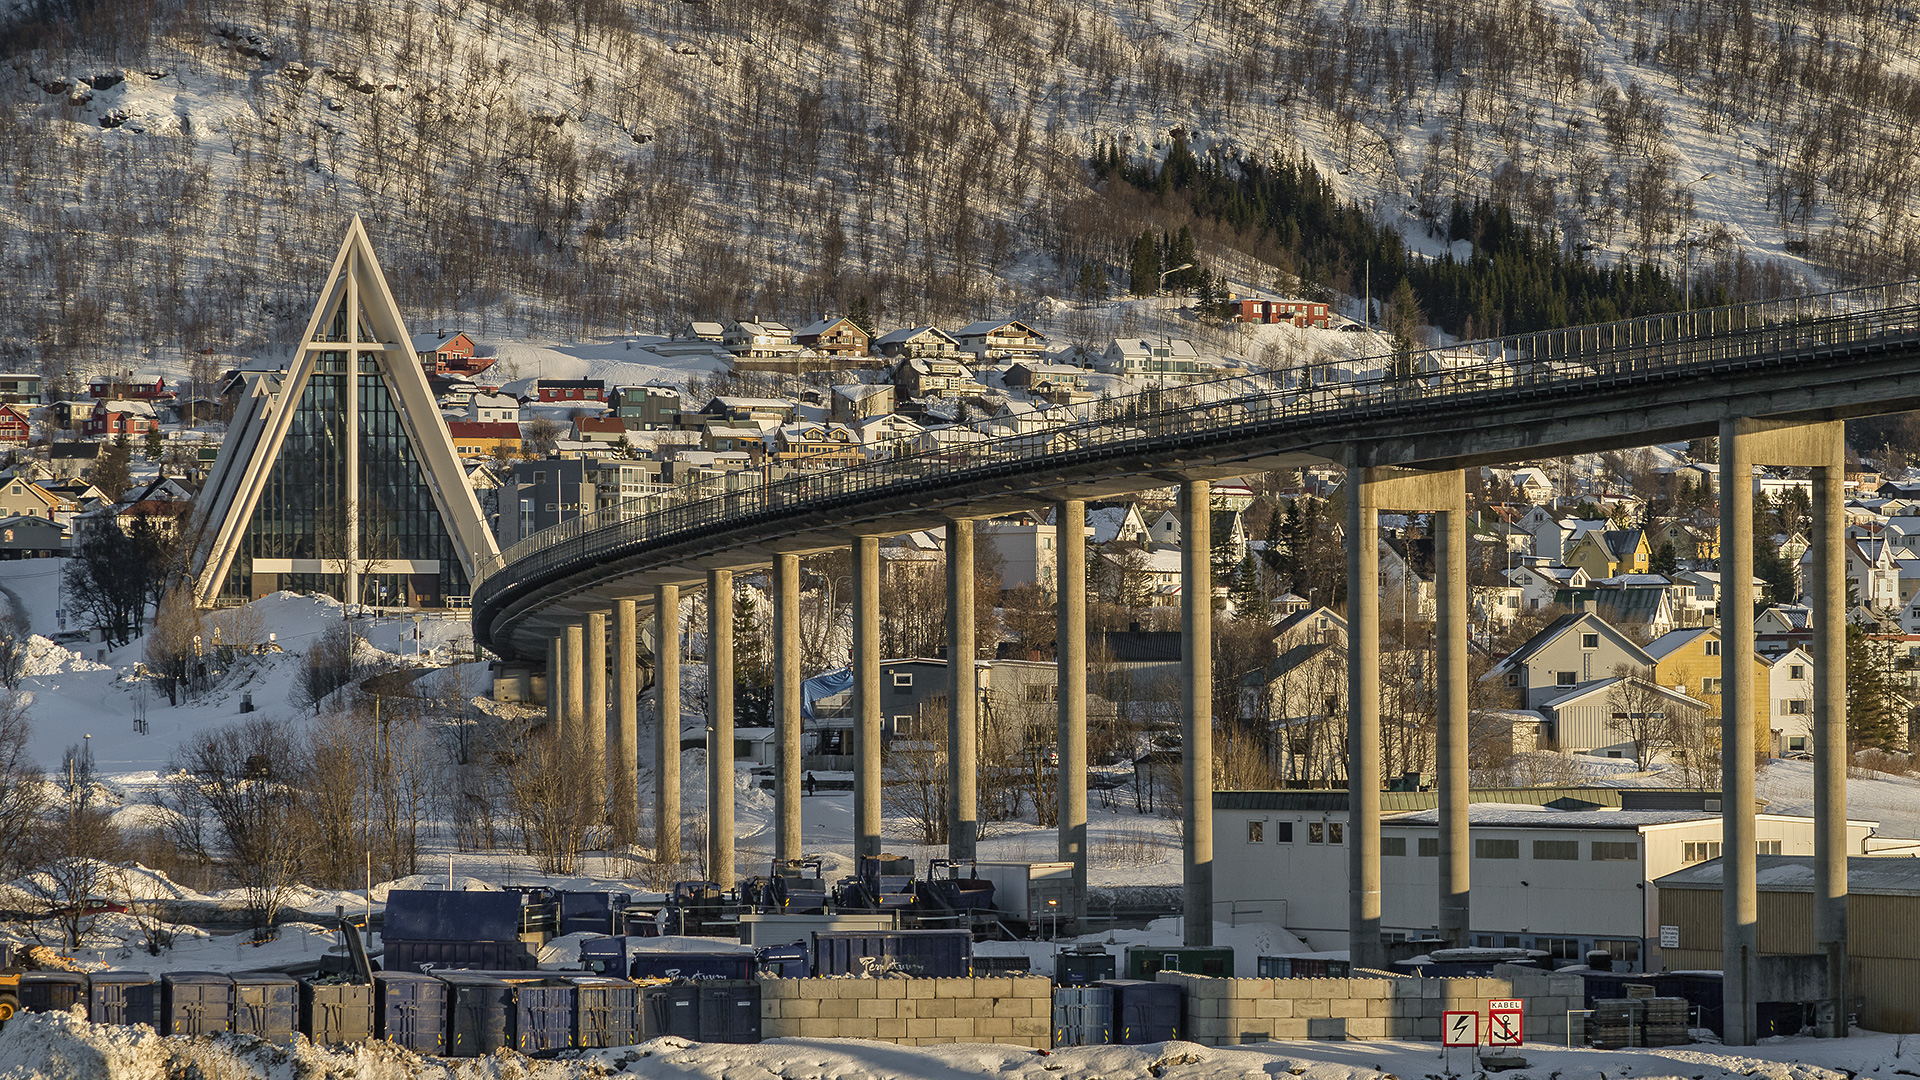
{"type": "Point", "coordinates": [1691, 540]}
{"type": "Point", "coordinates": [1605, 553]}
{"type": "Point", "coordinates": [24, 498]}
{"type": "Point", "coordinates": [1689, 661]}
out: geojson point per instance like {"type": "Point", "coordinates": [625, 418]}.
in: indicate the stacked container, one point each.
{"type": "Point", "coordinates": [932, 954]}
{"type": "Point", "coordinates": [1144, 1012]}
{"type": "Point", "coordinates": [124, 997]}
{"type": "Point", "coordinates": [410, 1010]}
{"type": "Point", "coordinates": [52, 991]}
{"type": "Point", "coordinates": [338, 1012]}
{"type": "Point", "coordinates": [195, 1003]}
{"type": "Point", "coordinates": [668, 1009]}
{"type": "Point", "coordinates": [479, 1013]}
{"type": "Point", "coordinates": [729, 1012]}
{"type": "Point", "coordinates": [606, 1012]}
{"type": "Point", "coordinates": [265, 1004]}
{"type": "Point", "coordinates": [1083, 1015]}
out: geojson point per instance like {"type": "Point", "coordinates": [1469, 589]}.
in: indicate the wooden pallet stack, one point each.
{"type": "Point", "coordinates": [1666, 1022]}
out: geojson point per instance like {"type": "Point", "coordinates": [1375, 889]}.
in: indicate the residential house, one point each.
{"type": "Point", "coordinates": [1308, 625]}
{"type": "Point", "coordinates": [1693, 542]}
{"type": "Point", "coordinates": [19, 388]}
{"type": "Point", "coordinates": [1641, 613]}
{"type": "Point", "coordinates": [493, 409]}
{"type": "Point", "coordinates": [701, 331]}
{"type": "Point", "coordinates": [1407, 581]}
{"type": "Point", "coordinates": [924, 342]}
{"type": "Point", "coordinates": [1139, 578]}
{"type": "Point", "coordinates": [606, 430]}
{"type": "Point", "coordinates": [1274, 309]}
{"type": "Point", "coordinates": [854, 403]}
{"type": "Point", "coordinates": [737, 409]}
{"type": "Point", "coordinates": [1496, 605]}
{"type": "Point", "coordinates": [646, 408]}
{"type": "Point", "coordinates": [1540, 584]}
{"type": "Point", "coordinates": [15, 428]}
{"type": "Point", "coordinates": [112, 387]}
{"type": "Point", "coordinates": [928, 376]}
{"type": "Point", "coordinates": [540, 494]}
{"type": "Point", "coordinates": [476, 439]}
{"type": "Point", "coordinates": [1302, 694]}
{"type": "Point", "coordinates": [1872, 570]}
{"type": "Point", "coordinates": [121, 416]}
{"type": "Point", "coordinates": [1573, 649]}
{"type": "Point", "coordinates": [1027, 547]}
{"type": "Point", "coordinates": [1605, 553]}
{"type": "Point", "coordinates": [889, 433]}
{"type": "Point", "coordinates": [759, 338]}
{"type": "Point", "coordinates": [1690, 661]}
{"type": "Point", "coordinates": [1790, 701]}
{"type": "Point", "coordinates": [1003, 341]}
{"type": "Point", "coordinates": [749, 439]}
{"type": "Point", "coordinates": [1174, 359]}
{"type": "Point", "coordinates": [834, 337]}
{"type": "Point", "coordinates": [1595, 717]}
{"type": "Point", "coordinates": [69, 459]}
{"type": "Point", "coordinates": [1056, 382]}
{"type": "Point", "coordinates": [818, 446]}
{"type": "Point", "coordinates": [449, 354]}
{"type": "Point", "coordinates": [23, 498]}
{"type": "Point", "coordinates": [569, 391]}
{"type": "Point", "coordinates": [33, 538]}
{"type": "Point", "coordinates": [1118, 522]}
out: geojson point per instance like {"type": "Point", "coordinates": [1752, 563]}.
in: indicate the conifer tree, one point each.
{"type": "Point", "coordinates": [1146, 265]}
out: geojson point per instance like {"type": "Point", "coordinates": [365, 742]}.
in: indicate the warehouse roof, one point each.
{"type": "Point", "coordinates": [1794, 873]}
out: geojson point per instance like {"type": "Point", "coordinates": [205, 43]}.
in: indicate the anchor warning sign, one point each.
{"type": "Point", "coordinates": [1504, 1022]}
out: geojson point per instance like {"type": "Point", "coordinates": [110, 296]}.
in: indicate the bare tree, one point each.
{"type": "Point", "coordinates": [235, 806]}
{"type": "Point", "coordinates": [77, 849]}
{"type": "Point", "coordinates": [915, 789]}
{"type": "Point", "coordinates": [1639, 712]}
{"type": "Point", "coordinates": [178, 641]}
{"type": "Point", "coordinates": [548, 788]}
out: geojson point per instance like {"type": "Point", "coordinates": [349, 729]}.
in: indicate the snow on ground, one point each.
{"type": "Point", "coordinates": [58, 1045]}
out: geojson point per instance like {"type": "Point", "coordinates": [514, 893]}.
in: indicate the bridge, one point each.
{"type": "Point", "coordinates": [1771, 380]}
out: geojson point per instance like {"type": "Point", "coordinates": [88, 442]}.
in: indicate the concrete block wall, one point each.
{"type": "Point", "coordinates": [1232, 1012]}
{"type": "Point", "coordinates": [911, 1012]}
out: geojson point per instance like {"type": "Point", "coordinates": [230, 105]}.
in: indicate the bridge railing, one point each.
{"type": "Point", "coordinates": [1630, 349]}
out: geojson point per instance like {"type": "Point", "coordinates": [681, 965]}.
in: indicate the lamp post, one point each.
{"type": "Point", "coordinates": [1164, 274]}
{"type": "Point", "coordinates": [1686, 253]}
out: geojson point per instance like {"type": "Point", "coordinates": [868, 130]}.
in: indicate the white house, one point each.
{"type": "Point", "coordinates": [1790, 700]}
{"type": "Point", "coordinates": [494, 409]}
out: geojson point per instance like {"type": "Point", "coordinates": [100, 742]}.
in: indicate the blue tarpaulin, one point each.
{"type": "Point", "coordinates": [825, 684]}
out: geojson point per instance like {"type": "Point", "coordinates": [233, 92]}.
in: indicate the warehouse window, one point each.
{"type": "Point", "coordinates": [1625, 952]}
{"type": "Point", "coordinates": [1766, 847]}
{"type": "Point", "coordinates": [1316, 832]}
{"type": "Point", "coordinates": [1393, 845]}
{"type": "Point", "coordinates": [1496, 849]}
{"type": "Point", "coordinates": [1694, 851]}
{"type": "Point", "coordinates": [1256, 832]}
{"type": "Point", "coordinates": [1429, 847]}
{"type": "Point", "coordinates": [1556, 849]}
{"type": "Point", "coordinates": [1336, 833]}
{"type": "Point", "coordinates": [1615, 850]}
{"type": "Point", "coordinates": [1560, 948]}
{"type": "Point", "coordinates": [1283, 832]}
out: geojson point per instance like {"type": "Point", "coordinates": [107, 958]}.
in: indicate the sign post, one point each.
{"type": "Point", "coordinates": [1458, 1029]}
{"type": "Point", "coordinates": [1504, 1021]}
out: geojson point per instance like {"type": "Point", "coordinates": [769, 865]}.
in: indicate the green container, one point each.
{"type": "Point", "coordinates": [1146, 961]}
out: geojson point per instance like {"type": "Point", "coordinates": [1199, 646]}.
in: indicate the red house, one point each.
{"type": "Point", "coordinates": [449, 354]}
{"type": "Point", "coordinates": [565, 390]}
{"type": "Point", "coordinates": [106, 387]}
{"type": "Point", "coordinates": [120, 417]}
{"type": "Point", "coordinates": [15, 430]}
{"type": "Point", "coordinates": [1269, 309]}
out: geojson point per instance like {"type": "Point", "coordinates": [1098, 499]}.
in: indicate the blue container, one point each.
{"type": "Point", "coordinates": [606, 1011]}
{"type": "Point", "coordinates": [542, 1013]}
{"type": "Point", "coordinates": [425, 956]}
{"type": "Point", "coordinates": [1144, 1012]}
{"type": "Point", "coordinates": [729, 1012]}
{"type": "Point", "coordinates": [670, 1010]}
{"type": "Point", "coordinates": [439, 915]}
{"type": "Point", "coordinates": [690, 965]}
{"type": "Point", "coordinates": [333, 1013]}
{"type": "Point", "coordinates": [265, 1004]}
{"type": "Point", "coordinates": [590, 912]}
{"type": "Point", "coordinates": [195, 1003]}
{"type": "Point", "coordinates": [785, 962]}
{"type": "Point", "coordinates": [52, 991]}
{"type": "Point", "coordinates": [479, 1013]}
{"type": "Point", "coordinates": [933, 954]}
{"type": "Point", "coordinates": [604, 955]}
{"type": "Point", "coordinates": [1083, 1015]}
{"type": "Point", "coordinates": [124, 997]}
{"type": "Point", "coordinates": [410, 1010]}
{"type": "Point", "coordinates": [1084, 969]}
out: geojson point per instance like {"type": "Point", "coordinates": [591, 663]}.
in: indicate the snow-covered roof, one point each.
{"type": "Point", "coordinates": [1516, 816]}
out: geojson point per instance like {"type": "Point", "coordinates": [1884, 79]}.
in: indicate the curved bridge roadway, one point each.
{"type": "Point", "coordinates": [1771, 379]}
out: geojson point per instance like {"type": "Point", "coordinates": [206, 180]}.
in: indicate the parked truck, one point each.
{"type": "Point", "coordinates": [1033, 898]}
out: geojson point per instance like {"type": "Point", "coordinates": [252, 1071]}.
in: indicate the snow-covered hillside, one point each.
{"type": "Point", "coordinates": [176, 173]}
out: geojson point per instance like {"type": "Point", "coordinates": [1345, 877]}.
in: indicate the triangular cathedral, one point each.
{"type": "Point", "coordinates": [337, 475]}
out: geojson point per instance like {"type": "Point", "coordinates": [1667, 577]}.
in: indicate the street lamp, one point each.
{"type": "Point", "coordinates": [1686, 247]}
{"type": "Point", "coordinates": [1165, 273]}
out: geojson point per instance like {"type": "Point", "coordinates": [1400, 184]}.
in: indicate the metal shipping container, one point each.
{"type": "Point", "coordinates": [933, 954]}
{"type": "Point", "coordinates": [785, 962]}
{"type": "Point", "coordinates": [123, 997]}
{"type": "Point", "coordinates": [1083, 1015]}
{"type": "Point", "coordinates": [439, 915]}
{"type": "Point", "coordinates": [1022, 891]}
{"type": "Point", "coordinates": [730, 1012]}
{"type": "Point", "coordinates": [265, 1004]}
{"type": "Point", "coordinates": [425, 956]}
{"type": "Point", "coordinates": [337, 1012]}
{"type": "Point", "coordinates": [195, 1003]}
{"type": "Point", "coordinates": [605, 955]}
{"type": "Point", "coordinates": [691, 965]}
{"type": "Point", "coordinates": [1146, 961]}
{"type": "Point", "coordinates": [590, 912]}
{"type": "Point", "coordinates": [542, 1015]}
{"type": "Point", "coordinates": [1144, 1012]}
{"type": "Point", "coordinates": [1084, 969]}
{"type": "Point", "coordinates": [479, 1013]}
{"type": "Point", "coordinates": [410, 1010]}
{"type": "Point", "coordinates": [52, 991]}
{"type": "Point", "coordinates": [606, 1011]}
{"type": "Point", "coordinates": [670, 1010]}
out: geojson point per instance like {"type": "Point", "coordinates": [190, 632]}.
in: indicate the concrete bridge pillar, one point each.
{"type": "Point", "coordinates": [594, 722]}
{"type": "Point", "coordinates": [963, 725]}
{"type": "Point", "coordinates": [1443, 493]}
{"type": "Point", "coordinates": [1821, 446]}
{"type": "Point", "coordinates": [720, 727]}
{"type": "Point", "coordinates": [1196, 708]}
{"type": "Point", "coordinates": [1070, 652]}
{"type": "Point", "coordinates": [786, 664]}
{"type": "Point", "coordinates": [666, 731]}
{"type": "Point", "coordinates": [573, 684]}
{"type": "Point", "coordinates": [866, 696]}
{"type": "Point", "coordinates": [626, 722]}
{"type": "Point", "coordinates": [554, 646]}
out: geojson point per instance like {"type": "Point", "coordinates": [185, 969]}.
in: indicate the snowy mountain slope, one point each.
{"type": "Point", "coordinates": [550, 172]}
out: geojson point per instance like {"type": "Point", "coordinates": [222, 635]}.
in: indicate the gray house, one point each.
{"type": "Point", "coordinates": [1571, 650]}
